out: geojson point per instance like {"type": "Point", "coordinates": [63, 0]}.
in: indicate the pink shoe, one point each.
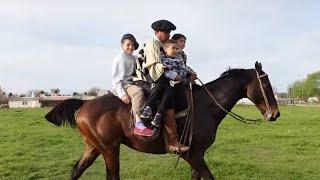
{"type": "Point", "coordinates": [143, 132]}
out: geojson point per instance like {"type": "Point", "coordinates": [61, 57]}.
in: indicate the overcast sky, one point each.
{"type": "Point", "coordinates": [70, 44]}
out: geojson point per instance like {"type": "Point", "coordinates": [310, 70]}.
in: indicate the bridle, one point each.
{"type": "Point", "coordinates": [267, 114]}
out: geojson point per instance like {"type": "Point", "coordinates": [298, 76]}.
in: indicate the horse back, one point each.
{"type": "Point", "coordinates": [113, 122]}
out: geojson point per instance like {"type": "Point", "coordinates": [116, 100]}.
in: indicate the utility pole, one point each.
{"type": "Point", "coordinates": [318, 86]}
{"type": "Point", "coordinates": [292, 95]}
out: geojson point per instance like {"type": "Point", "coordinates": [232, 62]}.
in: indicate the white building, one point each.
{"type": "Point", "coordinates": [245, 101]}
{"type": "Point", "coordinates": [24, 102]}
{"type": "Point", "coordinates": [313, 100]}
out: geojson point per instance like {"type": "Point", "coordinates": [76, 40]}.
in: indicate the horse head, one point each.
{"type": "Point", "coordinates": [260, 92]}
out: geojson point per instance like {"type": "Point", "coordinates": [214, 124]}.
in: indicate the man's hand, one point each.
{"type": "Point", "coordinates": [167, 67]}
{"type": "Point", "coordinates": [193, 77]}
{"type": "Point", "coordinates": [178, 78]}
{"type": "Point", "coordinates": [126, 99]}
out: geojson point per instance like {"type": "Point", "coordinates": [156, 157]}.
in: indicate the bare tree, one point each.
{"type": "Point", "coordinates": [75, 94]}
{"type": "Point", "coordinates": [55, 91]}
{"type": "Point", "coordinates": [93, 91]}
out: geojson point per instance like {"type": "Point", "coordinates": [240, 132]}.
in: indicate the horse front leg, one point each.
{"type": "Point", "coordinates": [199, 167]}
{"type": "Point", "coordinates": [195, 175]}
{"type": "Point", "coordinates": [111, 158]}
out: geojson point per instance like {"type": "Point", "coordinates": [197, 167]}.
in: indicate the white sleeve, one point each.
{"type": "Point", "coordinates": [118, 72]}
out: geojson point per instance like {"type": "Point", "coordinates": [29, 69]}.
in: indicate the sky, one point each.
{"type": "Point", "coordinates": [70, 44]}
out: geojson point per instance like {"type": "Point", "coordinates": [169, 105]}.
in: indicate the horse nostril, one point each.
{"type": "Point", "coordinates": [278, 114]}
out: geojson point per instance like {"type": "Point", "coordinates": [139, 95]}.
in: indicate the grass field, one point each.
{"type": "Point", "coordinates": [31, 148]}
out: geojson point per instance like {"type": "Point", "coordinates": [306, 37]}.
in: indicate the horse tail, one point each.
{"type": "Point", "coordinates": [65, 113]}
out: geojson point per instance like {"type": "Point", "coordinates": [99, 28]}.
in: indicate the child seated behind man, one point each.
{"type": "Point", "coordinates": [162, 93]}
{"type": "Point", "coordinates": [181, 41]}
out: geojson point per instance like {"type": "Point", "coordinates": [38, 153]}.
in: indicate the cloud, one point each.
{"type": "Point", "coordinates": [70, 44]}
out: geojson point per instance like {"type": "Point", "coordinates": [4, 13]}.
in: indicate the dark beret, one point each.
{"type": "Point", "coordinates": [131, 38]}
{"type": "Point", "coordinates": [163, 25]}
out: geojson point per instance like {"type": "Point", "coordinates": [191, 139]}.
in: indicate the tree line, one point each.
{"type": "Point", "coordinates": [308, 87]}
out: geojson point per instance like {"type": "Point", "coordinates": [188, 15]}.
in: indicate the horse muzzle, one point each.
{"type": "Point", "coordinates": [269, 116]}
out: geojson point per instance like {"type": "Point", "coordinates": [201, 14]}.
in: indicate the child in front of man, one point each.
{"type": "Point", "coordinates": [162, 92]}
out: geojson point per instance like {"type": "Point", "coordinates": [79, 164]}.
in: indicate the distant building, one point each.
{"type": "Point", "coordinates": [88, 97]}
{"type": "Point", "coordinates": [245, 101]}
{"type": "Point", "coordinates": [24, 102]}
{"type": "Point", "coordinates": [42, 101]}
{"type": "Point", "coordinates": [313, 100]}
{"type": "Point", "coordinates": [51, 101]}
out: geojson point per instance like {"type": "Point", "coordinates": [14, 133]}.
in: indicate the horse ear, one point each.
{"type": "Point", "coordinates": [258, 66]}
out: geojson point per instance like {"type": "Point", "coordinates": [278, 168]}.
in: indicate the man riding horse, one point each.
{"type": "Point", "coordinates": [151, 71]}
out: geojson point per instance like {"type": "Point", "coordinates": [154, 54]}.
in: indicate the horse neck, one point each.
{"type": "Point", "coordinates": [227, 92]}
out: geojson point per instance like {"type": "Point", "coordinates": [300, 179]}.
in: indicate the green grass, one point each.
{"type": "Point", "coordinates": [31, 148]}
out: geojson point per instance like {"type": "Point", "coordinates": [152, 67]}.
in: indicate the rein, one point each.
{"type": "Point", "coordinates": [268, 113]}
{"type": "Point", "coordinates": [188, 125]}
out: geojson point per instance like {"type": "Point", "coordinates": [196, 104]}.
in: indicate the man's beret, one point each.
{"type": "Point", "coordinates": [163, 25]}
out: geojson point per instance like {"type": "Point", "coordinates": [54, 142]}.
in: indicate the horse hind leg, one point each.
{"type": "Point", "coordinates": [111, 158]}
{"type": "Point", "coordinates": [89, 155]}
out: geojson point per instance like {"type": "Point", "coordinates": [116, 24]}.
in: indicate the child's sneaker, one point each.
{"type": "Point", "coordinates": [146, 113]}
{"type": "Point", "coordinates": [157, 120]}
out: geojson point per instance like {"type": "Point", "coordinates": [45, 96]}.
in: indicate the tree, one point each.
{"type": "Point", "coordinates": [41, 92]}
{"type": "Point", "coordinates": [296, 89]}
{"type": "Point", "coordinates": [93, 91]}
{"type": "Point", "coordinates": [311, 84]}
{"type": "Point", "coordinates": [2, 93]}
{"type": "Point", "coordinates": [305, 88]}
{"type": "Point", "coordinates": [55, 91]}
{"type": "Point", "coordinates": [75, 94]}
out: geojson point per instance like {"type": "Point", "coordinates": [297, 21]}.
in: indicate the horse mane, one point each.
{"type": "Point", "coordinates": [229, 73]}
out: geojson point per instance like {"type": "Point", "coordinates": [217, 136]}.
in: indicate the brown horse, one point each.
{"type": "Point", "coordinates": [105, 122]}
